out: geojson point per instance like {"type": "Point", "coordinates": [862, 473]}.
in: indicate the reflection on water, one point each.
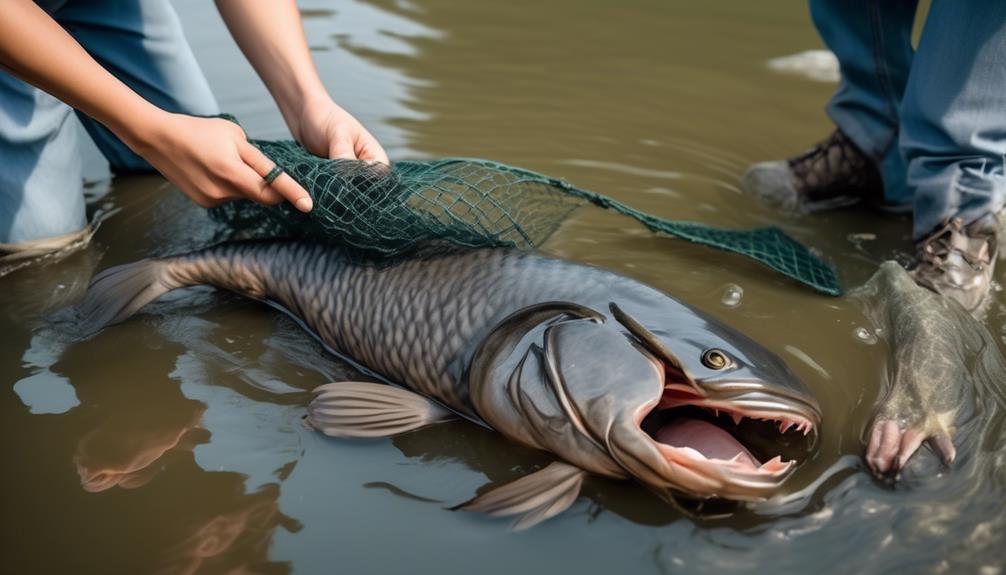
{"type": "Point", "coordinates": [233, 541]}
{"type": "Point", "coordinates": [173, 443]}
{"type": "Point", "coordinates": [126, 448]}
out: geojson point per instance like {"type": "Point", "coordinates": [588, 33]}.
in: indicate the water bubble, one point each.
{"type": "Point", "coordinates": [864, 335]}
{"type": "Point", "coordinates": [732, 295]}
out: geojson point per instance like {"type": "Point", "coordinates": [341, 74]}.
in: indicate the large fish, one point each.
{"type": "Point", "coordinates": [610, 375]}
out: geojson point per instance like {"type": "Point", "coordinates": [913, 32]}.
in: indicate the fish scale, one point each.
{"type": "Point", "coordinates": [376, 326]}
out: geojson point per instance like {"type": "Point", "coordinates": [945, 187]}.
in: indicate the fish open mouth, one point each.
{"type": "Point", "coordinates": [741, 430]}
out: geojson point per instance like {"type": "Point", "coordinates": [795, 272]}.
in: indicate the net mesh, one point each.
{"type": "Point", "coordinates": [477, 203]}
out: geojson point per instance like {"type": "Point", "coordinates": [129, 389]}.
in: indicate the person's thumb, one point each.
{"type": "Point", "coordinates": [340, 147]}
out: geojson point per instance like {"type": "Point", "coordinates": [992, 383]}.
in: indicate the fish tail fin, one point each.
{"type": "Point", "coordinates": [117, 293]}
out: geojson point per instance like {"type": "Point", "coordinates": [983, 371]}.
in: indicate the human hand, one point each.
{"type": "Point", "coordinates": [326, 130]}
{"type": "Point", "coordinates": [211, 161]}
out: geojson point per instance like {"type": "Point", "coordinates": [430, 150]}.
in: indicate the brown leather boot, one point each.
{"type": "Point", "coordinates": [833, 174]}
{"type": "Point", "coordinates": [957, 260]}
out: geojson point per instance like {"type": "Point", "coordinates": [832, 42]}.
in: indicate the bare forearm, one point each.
{"type": "Point", "coordinates": [36, 49]}
{"type": "Point", "coordinates": [271, 36]}
{"type": "Point", "coordinates": [209, 159]}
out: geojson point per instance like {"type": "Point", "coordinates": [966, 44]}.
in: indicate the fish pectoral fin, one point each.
{"type": "Point", "coordinates": [535, 497]}
{"type": "Point", "coordinates": [365, 409]}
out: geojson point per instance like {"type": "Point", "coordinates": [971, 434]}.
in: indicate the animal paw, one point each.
{"type": "Point", "coordinates": [892, 444]}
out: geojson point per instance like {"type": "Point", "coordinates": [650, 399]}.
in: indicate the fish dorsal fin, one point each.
{"type": "Point", "coordinates": [535, 497]}
{"type": "Point", "coordinates": [365, 409]}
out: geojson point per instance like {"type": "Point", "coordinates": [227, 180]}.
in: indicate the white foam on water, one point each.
{"type": "Point", "coordinates": [818, 65]}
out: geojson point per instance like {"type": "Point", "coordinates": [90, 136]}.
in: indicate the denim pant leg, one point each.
{"type": "Point", "coordinates": [954, 114]}
{"type": "Point", "coordinates": [41, 195]}
{"type": "Point", "coordinates": [140, 42]}
{"type": "Point", "coordinates": [872, 40]}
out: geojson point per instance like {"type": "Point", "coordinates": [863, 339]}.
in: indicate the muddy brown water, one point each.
{"type": "Point", "coordinates": [173, 443]}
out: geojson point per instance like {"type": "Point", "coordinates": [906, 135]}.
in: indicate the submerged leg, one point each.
{"type": "Point", "coordinates": [954, 139]}
{"type": "Point", "coordinates": [861, 160]}
{"type": "Point", "coordinates": [41, 174]}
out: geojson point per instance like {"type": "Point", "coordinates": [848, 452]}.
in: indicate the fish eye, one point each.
{"type": "Point", "coordinates": [715, 359]}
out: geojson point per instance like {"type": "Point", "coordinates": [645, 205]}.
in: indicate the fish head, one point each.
{"type": "Point", "coordinates": [682, 402]}
{"type": "Point", "coordinates": [725, 410]}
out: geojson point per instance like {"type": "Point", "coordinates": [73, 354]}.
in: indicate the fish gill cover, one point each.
{"type": "Point", "coordinates": [474, 203]}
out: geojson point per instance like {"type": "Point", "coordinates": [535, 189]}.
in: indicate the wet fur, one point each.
{"type": "Point", "coordinates": [937, 352]}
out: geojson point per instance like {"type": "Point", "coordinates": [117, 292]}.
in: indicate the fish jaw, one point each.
{"type": "Point", "coordinates": [687, 439]}
{"type": "Point", "coordinates": [716, 383]}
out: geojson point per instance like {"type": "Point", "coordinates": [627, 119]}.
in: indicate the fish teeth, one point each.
{"type": "Point", "coordinates": [737, 418]}
{"type": "Point", "coordinates": [777, 460]}
{"type": "Point", "coordinates": [784, 426]}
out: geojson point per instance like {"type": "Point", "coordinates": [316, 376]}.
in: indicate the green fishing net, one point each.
{"type": "Point", "coordinates": [470, 202]}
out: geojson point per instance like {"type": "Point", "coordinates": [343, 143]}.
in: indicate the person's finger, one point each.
{"type": "Point", "coordinates": [370, 150]}
{"type": "Point", "coordinates": [255, 188]}
{"type": "Point", "coordinates": [284, 185]}
{"type": "Point", "coordinates": [293, 192]}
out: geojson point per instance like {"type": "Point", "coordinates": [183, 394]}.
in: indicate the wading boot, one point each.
{"type": "Point", "coordinates": [957, 260]}
{"type": "Point", "coordinates": [833, 174]}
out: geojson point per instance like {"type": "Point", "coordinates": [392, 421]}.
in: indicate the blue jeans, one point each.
{"type": "Point", "coordinates": [138, 41]}
{"type": "Point", "coordinates": [933, 119]}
